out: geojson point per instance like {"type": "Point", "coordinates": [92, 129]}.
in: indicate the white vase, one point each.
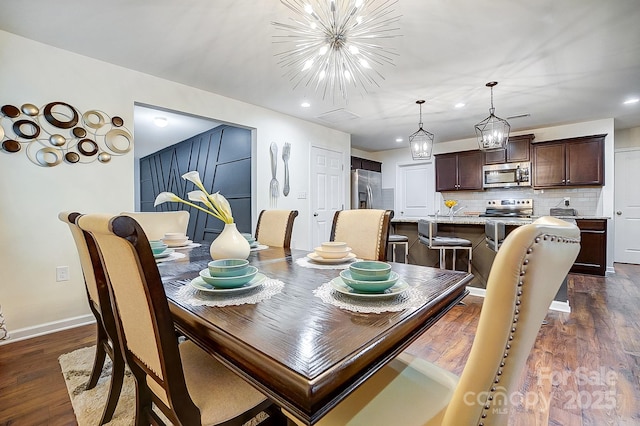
{"type": "Point", "coordinates": [230, 244]}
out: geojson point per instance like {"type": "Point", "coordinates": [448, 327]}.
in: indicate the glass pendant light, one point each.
{"type": "Point", "coordinates": [421, 142]}
{"type": "Point", "coordinates": [492, 132]}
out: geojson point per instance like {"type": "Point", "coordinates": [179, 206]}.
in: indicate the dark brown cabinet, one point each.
{"type": "Point", "coordinates": [569, 162]}
{"type": "Point", "coordinates": [363, 163]}
{"type": "Point", "coordinates": [458, 171]}
{"type": "Point", "coordinates": [592, 258]}
{"type": "Point", "coordinates": [517, 151]}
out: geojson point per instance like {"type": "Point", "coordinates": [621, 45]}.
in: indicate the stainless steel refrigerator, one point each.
{"type": "Point", "coordinates": [366, 189]}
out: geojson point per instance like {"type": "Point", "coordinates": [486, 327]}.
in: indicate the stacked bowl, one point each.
{"type": "Point", "coordinates": [175, 239]}
{"type": "Point", "coordinates": [252, 241]}
{"type": "Point", "coordinates": [228, 273]}
{"type": "Point", "coordinates": [369, 276]}
{"type": "Point", "coordinates": [160, 249]}
{"type": "Point", "coordinates": [332, 251]}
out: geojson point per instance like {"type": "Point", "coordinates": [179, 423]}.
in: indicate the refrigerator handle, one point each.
{"type": "Point", "coordinates": [370, 203]}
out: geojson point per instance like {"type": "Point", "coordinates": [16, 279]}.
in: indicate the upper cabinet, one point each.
{"type": "Point", "coordinates": [363, 163]}
{"type": "Point", "coordinates": [458, 171]}
{"type": "Point", "coordinates": [569, 162]}
{"type": "Point", "coordinates": [517, 151]}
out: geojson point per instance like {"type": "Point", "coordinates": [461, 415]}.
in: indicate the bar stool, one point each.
{"type": "Point", "coordinates": [427, 233]}
{"type": "Point", "coordinates": [395, 240]}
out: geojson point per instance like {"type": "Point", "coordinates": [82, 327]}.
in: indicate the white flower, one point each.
{"type": "Point", "coordinates": [216, 205]}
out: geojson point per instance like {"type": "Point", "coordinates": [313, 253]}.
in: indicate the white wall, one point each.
{"type": "Point", "coordinates": [34, 242]}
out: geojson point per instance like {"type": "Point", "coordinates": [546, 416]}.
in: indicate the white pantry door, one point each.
{"type": "Point", "coordinates": [627, 203]}
{"type": "Point", "coordinates": [415, 190]}
{"type": "Point", "coordinates": [327, 183]}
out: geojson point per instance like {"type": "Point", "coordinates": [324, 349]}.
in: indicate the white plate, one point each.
{"type": "Point", "coordinates": [400, 287]}
{"type": "Point", "coordinates": [199, 284]}
{"type": "Point", "coordinates": [319, 259]}
{"type": "Point", "coordinates": [180, 244]}
{"type": "Point", "coordinates": [165, 253]}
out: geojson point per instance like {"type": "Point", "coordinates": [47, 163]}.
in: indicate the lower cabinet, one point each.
{"type": "Point", "coordinates": [592, 258]}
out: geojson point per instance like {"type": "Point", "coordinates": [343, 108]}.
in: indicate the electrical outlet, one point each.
{"type": "Point", "coordinates": [567, 200]}
{"type": "Point", "coordinates": [62, 273]}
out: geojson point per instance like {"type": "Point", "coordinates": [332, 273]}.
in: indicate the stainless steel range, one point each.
{"type": "Point", "coordinates": [509, 208]}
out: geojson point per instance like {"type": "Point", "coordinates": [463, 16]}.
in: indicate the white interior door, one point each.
{"type": "Point", "coordinates": [627, 211]}
{"type": "Point", "coordinates": [415, 190]}
{"type": "Point", "coordinates": [327, 183]}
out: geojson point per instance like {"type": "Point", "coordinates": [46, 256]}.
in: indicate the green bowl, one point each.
{"type": "Point", "coordinates": [229, 282]}
{"type": "Point", "coordinates": [368, 286]}
{"type": "Point", "coordinates": [228, 267]}
{"type": "Point", "coordinates": [370, 270]}
{"type": "Point", "coordinates": [158, 246]}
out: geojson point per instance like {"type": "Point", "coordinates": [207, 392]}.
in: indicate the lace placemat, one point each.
{"type": "Point", "coordinates": [306, 263]}
{"type": "Point", "coordinates": [411, 298]}
{"type": "Point", "coordinates": [172, 256]}
{"type": "Point", "coordinates": [191, 296]}
{"type": "Point", "coordinates": [260, 247]}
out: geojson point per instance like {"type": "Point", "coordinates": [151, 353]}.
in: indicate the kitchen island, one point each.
{"type": "Point", "coordinates": [471, 228]}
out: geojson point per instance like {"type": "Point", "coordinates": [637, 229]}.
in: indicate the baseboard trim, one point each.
{"type": "Point", "coordinates": [555, 305]}
{"type": "Point", "coordinates": [47, 328]}
{"type": "Point", "coordinates": [610, 270]}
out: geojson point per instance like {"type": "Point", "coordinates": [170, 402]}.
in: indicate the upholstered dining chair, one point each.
{"type": "Point", "coordinates": [188, 385]}
{"type": "Point", "coordinates": [366, 231]}
{"type": "Point", "coordinates": [274, 227]}
{"type": "Point", "coordinates": [106, 338]}
{"type": "Point", "coordinates": [156, 224]}
{"type": "Point", "coordinates": [524, 278]}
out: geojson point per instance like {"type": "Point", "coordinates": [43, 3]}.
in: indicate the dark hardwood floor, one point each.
{"type": "Point", "coordinates": [583, 370]}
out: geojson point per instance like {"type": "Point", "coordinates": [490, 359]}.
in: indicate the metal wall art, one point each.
{"type": "Point", "coordinates": [59, 132]}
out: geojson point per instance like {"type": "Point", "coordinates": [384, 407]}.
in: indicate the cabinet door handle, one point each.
{"type": "Point", "coordinates": [619, 213]}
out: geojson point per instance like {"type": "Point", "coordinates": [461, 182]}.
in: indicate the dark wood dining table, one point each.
{"type": "Point", "coordinates": [304, 353]}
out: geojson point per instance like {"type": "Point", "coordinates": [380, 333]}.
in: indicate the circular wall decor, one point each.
{"type": "Point", "coordinates": [22, 127]}
{"type": "Point", "coordinates": [82, 147]}
{"type": "Point", "coordinates": [117, 121]}
{"type": "Point", "coordinates": [11, 146]}
{"type": "Point", "coordinates": [30, 109]}
{"type": "Point", "coordinates": [115, 135]}
{"type": "Point", "coordinates": [72, 157]}
{"type": "Point", "coordinates": [79, 132]}
{"type": "Point", "coordinates": [93, 119]}
{"type": "Point", "coordinates": [57, 140]}
{"type": "Point", "coordinates": [104, 157]}
{"type": "Point", "coordinates": [48, 115]}
{"type": "Point", "coordinates": [10, 111]}
{"type": "Point", "coordinates": [48, 157]}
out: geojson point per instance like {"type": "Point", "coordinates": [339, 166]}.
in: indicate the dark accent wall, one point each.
{"type": "Point", "coordinates": [223, 158]}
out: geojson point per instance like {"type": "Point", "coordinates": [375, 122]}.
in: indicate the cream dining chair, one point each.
{"type": "Point", "coordinates": [188, 385]}
{"type": "Point", "coordinates": [156, 224]}
{"type": "Point", "coordinates": [366, 231]}
{"type": "Point", "coordinates": [275, 227]}
{"type": "Point", "coordinates": [525, 276]}
{"type": "Point", "coordinates": [107, 338]}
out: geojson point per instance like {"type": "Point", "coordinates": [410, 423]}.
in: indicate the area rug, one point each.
{"type": "Point", "coordinates": [88, 404]}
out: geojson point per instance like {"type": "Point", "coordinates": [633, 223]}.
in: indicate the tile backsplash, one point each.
{"type": "Point", "coordinates": [583, 200]}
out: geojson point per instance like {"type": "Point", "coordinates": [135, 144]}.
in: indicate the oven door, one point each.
{"type": "Point", "coordinates": [506, 175]}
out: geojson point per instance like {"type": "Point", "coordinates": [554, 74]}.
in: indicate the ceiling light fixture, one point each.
{"type": "Point", "coordinates": [305, 104]}
{"type": "Point", "coordinates": [492, 132]}
{"type": "Point", "coordinates": [631, 101]}
{"type": "Point", "coordinates": [160, 121]}
{"type": "Point", "coordinates": [336, 43]}
{"type": "Point", "coordinates": [421, 142]}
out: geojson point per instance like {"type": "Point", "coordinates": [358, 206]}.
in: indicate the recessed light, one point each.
{"type": "Point", "coordinates": [399, 139]}
{"type": "Point", "coordinates": [160, 121]}
{"type": "Point", "coordinates": [305, 104]}
{"type": "Point", "coordinates": [459, 105]}
{"type": "Point", "coordinates": [631, 101]}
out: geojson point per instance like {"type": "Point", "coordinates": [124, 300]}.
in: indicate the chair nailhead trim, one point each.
{"type": "Point", "coordinates": [516, 312]}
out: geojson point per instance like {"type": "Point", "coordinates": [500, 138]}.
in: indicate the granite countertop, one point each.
{"type": "Point", "coordinates": [476, 220]}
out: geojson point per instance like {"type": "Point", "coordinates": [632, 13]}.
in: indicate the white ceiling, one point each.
{"type": "Point", "coordinates": [560, 61]}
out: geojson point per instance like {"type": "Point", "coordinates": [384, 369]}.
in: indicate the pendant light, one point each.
{"type": "Point", "coordinates": [421, 142]}
{"type": "Point", "coordinates": [492, 132]}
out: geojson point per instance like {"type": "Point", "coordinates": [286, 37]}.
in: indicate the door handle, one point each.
{"type": "Point", "coordinates": [315, 214]}
{"type": "Point", "coordinates": [619, 213]}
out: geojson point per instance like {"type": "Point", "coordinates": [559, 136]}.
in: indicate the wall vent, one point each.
{"type": "Point", "coordinates": [337, 116]}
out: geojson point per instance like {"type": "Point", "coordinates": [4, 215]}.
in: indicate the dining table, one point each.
{"type": "Point", "coordinates": [306, 343]}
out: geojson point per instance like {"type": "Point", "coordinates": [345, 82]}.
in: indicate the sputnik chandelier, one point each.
{"type": "Point", "coordinates": [336, 44]}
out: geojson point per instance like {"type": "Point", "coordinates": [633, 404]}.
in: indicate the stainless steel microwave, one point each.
{"type": "Point", "coordinates": [506, 175]}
